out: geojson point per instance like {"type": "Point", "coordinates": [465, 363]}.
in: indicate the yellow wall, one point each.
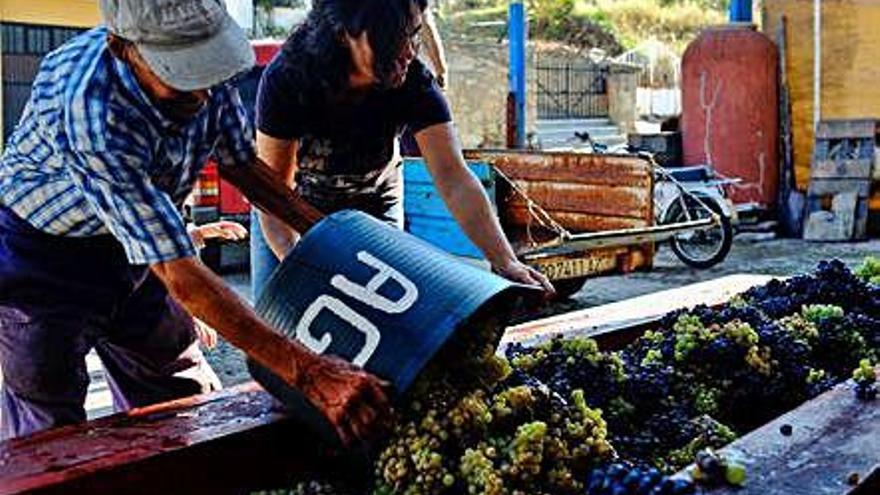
{"type": "Point", "coordinates": [72, 13]}
{"type": "Point", "coordinates": [850, 65]}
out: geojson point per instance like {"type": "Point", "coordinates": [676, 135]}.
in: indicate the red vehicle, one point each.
{"type": "Point", "coordinates": [215, 199]}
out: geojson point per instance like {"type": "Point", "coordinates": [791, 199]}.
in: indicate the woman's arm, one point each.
{"type": "Point", "coordinates": [465, 198]}
{"type": "Point", "coordinates": [280, 156]}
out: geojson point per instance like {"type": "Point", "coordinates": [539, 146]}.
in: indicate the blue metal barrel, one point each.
{"type": "Point", "coordinates": [426, 214]}
{"type": "Point", "coordinates": [378, 297]}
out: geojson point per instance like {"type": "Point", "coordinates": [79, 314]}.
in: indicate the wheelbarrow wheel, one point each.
{"type": "Point", "coordinates": [568, 287]}
{"type": "Point", "coordinates": [704, 248]}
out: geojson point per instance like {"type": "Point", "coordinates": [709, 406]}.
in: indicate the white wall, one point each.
{"type": "Point", "coordinates": [658, 102]}
{"type": "Point", "coordinates": [243, 13]}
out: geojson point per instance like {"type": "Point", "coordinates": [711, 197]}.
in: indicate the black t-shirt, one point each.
{"type": "Point", "coordinates": [347, 154]}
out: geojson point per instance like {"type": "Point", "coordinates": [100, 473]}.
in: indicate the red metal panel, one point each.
{"type": "Point", "coordinates": [607, 170]}
{"type": "Point", "coordinates": [583, 193]}
{"type": "Point", "coordinates": [626, 202]}
{"type": "Point", "coordinates": [730, 111]}
{"type": "Point", "coordinates": [232, 201]}
{"type": "Point", "coordinates": [265, 50]}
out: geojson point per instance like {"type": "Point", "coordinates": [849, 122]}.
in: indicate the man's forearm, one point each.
{"type": "Point", "coordinates": [206, 296]}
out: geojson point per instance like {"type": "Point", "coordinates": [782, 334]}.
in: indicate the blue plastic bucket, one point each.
{"type": "Point", "coordinates": [359, 289]}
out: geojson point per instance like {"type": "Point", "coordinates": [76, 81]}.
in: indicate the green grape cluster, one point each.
{"type": "Point", "coordinates": [708, 433]}
{"type": "Point", "coordinates": [760, 360]}
{"type": "Point", "coordinates": [689, 334]}
{"type": "Point", "coordinates": [816, 313]}
{"type": "Point", "coordinates": [706, 399]}
{"type": "Point", "coordinates": [864, 374]}
{"type": "Point", "coordinates": [740, 333]}
{"type": "Point", "coordinates": [869, 270]}
{"type": "Point", "coordinates": [477, 468]}
{"type": "Point", "coordinates": [801, 327]}
{"type": "Point", "coordinates": [816, 375]}
{"type": "Point", "coordinates": [526, 453]}
{"type": "Point", "coordinates": [515, 402]}
{"type": "Point", "coordinates": [471, 416]}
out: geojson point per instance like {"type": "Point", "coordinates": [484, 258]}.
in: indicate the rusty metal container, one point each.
{"type": "Point", "coordinates": [583, 193]}
{"type": "Point", "coordinates": [730, 111]}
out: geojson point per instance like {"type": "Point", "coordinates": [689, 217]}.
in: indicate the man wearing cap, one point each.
{"type": "Point", "coordinates": [93, 250]}
{"type": "Point", "coordinates": [330, 109]}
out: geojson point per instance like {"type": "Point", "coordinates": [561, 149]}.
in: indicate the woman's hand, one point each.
{"type": "Point", "coordinates": [518, 271]}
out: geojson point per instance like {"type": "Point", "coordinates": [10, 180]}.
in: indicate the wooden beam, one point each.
{"type": "Point", "coordinates": [231, 441]}
{"type": "Point", "coordinates": [835, 439]}
{"type": "Point", "coordinates": [615, 324]}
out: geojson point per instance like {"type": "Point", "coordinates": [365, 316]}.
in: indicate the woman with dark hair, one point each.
{"type": "Point", "coordinates": [330, 108]}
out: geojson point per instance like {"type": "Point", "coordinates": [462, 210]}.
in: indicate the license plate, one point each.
{"type": "Point", "coordinates": [558, 269]}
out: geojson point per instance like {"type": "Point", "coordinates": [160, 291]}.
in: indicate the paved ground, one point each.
{"type": "Point", "coordinates": [750, 254]}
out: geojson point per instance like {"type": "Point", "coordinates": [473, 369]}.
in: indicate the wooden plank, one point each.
{"type": "Point", "coordinates": [824, 187]}
{"type": "Point", "coordinates": [226, 442]}
{"type": "Point", "coordinates": [849, 128]}
{"type": "Point", "coordinates": [845, 169]}
{"type": "Point", "coordinates": [603, 322]}
{"type": "Point", "coordinates": [833, 436]}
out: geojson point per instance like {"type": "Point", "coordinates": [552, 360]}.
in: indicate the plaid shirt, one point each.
{"type": "Point", "coordinates": [92, 155]}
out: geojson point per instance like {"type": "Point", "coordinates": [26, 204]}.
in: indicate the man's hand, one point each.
{"type": "Point", "coordinates": [206, 335]}
{"type": "Point", "coordinates": [230, 231]}
{"type": "Point", "coordinates": [517, 271]}
{"type": "Point", "coordinates": [353, 400]}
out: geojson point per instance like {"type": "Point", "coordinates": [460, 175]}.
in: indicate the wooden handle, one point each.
{"type": "Point", "coordinates": [268, 192]}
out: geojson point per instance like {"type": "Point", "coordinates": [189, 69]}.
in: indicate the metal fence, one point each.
{"type": "Point", "coordinates": [23, 47]}
{"type": "Point", "coordinates": [568, 90]}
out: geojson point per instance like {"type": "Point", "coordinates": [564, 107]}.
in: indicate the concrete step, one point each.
{"type": "Point", "coordinates": [574, 143]}
{"type": "Point", "coordinates": [553, 123]}
{"type": "Point", "coordinates": [595, 132]}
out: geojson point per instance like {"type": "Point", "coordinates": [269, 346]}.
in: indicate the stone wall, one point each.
{"type": "Point", "coordinates": [477, 91]}
{"type": "Point", "coordinates": [622, 96]}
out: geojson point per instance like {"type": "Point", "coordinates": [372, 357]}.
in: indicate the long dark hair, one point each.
{"type": "Point", "coordinates": [317, 55]}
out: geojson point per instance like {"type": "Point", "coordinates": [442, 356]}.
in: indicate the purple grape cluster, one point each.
{"type": "Point", "coordinates": [626, 479]}
{"type": "Point", "coordinates": [771, 348]}
{"type": "Point", "coordinates": [567, 417]}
